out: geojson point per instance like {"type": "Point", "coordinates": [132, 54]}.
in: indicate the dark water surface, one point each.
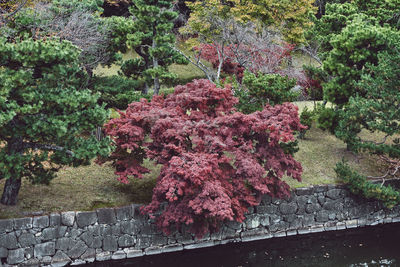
{"type": "Point", "coordinates": [368, 246]}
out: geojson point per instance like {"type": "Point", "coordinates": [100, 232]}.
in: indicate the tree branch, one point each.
{"type": "Point", "coordinates": [48, 147]}
{"type": "Point", "coordinates": [4, 20]}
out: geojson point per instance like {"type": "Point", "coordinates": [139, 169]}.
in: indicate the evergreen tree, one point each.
{"type": "Point", "coordinates": [152, 40]}
{"type": "Point", "coordinates": [46, 114]}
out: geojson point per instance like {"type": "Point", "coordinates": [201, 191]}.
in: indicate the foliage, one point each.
{"type": "Point", "coordinates": [356, 45]}
{"type": "Point", "coordinates": [327, 118]}
{"type": "Point", "coordinates": [216, 162]}
{"type": "Point", "coordinates": [261, 89]}
{"type": "Point", "coordinates": [116, 91]}
{"type": "Point", "coordinates": [152, 40]}
{"type": "Point", "coordinates": [315, 77]}
{"type": "Point", "coordinates": [288, 17]}
{"type": "Point", "coordinates": [358, 184]}
{"type": "Point", "coordinates": [44, 112]}
{"type": "Point", "coordinates": [377, 110]}
{"type": "Point", "coordinates": [307, 118]}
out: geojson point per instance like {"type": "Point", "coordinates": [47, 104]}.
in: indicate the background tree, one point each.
{"type": "Point", "coordinates": [216, 162]}
{"type": "Point", "coordinates": [45, 112]}
{"type": "Point", "coordinates": [152, 40]}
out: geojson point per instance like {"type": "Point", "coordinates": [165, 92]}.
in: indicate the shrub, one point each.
{"type": "Point", "coordinates": [216, 162]}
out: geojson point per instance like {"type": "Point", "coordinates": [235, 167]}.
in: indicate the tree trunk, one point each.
{"type": "Point", "coordinates": [155, 65]}
{"type": "Point", "coordinates": [10, 193]}
{"type": "Point", "coordinates": [13, 184]}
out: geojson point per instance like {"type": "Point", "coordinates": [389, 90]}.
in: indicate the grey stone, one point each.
{"type": "Point", "coordinates": [60, 259]}
{"type": "Point", "coordinates": [94, 229]}
{"type": "Point", "coordinates": [252, 221]}
{"type": "Point", "coordinates": [116, 229]}
{"type": "Point", "coordinates": [26, 239]}
{"type": "Point", "coordinates": [305, 191]}
{"type": "Point", "coordinates": [124, 213]}
{"type": "Point", "coordinates": [105, 230]}
{"type": "Point", "coordinates": [85, 218]}
{"type": "Point", "coordinates": [132, 253]}
{"type": "Point", "coordinates": [118, 255]}
{"type": "Point", "coordinates": [317, 228]}
{"type": "Point", "coordinates": [89, 255]}
{"type": "Point", "coordinates": [22, 223]}
{"type": "Point", "coordinates": [106, 216]}
{"type": "Point", "coordinates": [46, 260]}
{"type": "Point", "coordinates": [321, 200]}
{"type": "Point", "coordinates": [88, 238]}
{"type": "Point", "coordinates": [45, 249]}
{"type": "Point", "coordinates": [264, 220]}
{"type": "Point", "coordinates": [234, 225]}
{"type": "Point", "coordinates": [333, 205]}
{"type": "Point", "coordinates": [77, 249]}
{"type": "Point", "coordinates": [288, 208]}
{"type": "Point", "coordinates": [311, 208]}
{"type": "Point", "coordinates": [159, 239]}
{"type": "Point", "coordinates": [64, 243]}
{"type": "Point", "coordinates": [320, 188]}
{"type": "Point", "coordinates": [78, 262]}
{"type": "Point", "coordinates": [126, 241]}
{"type": "Point", "coordinates": [279, 234]}
{"type": "Point", "coordinates": [75, 232]}
{"type": "Point", "coordinates": [334, 193]}
{"type": "Point", "coordinates": [97, 242]}
{"type": "Point", "coordinates": [304, 231]}
{"type": "Point", "coordinates": [145, 241]}
{"type": "Point", "coordinates": [15, 256]}
{"type": "Point", "coordinates": [296, 224]}
{"type": "Point", "coordinates": [55, 219]}
{"type": "Point", "coordinates": [351, 224]}
{"type": "Point", "coordinates": [61, 230]}
{"type": "Point", "coordinates": [49, 234]}
{"type": "Point", "coordinates": [68, 218]}
{"type": "Point", "coordinates": [28, 252]}
{"type": "Point", "coordinates": [31, 262]}
{"type": "Point", "coordinates": [266, 200]}
{"type": "Point", "coordinates": [41, 222]}
{"type": "Point", "coordinates": [322, 216]}
{"type": "Point", "coordinates": [3, 252]}
{"type": "Point", "coordinates": [8, 241]}
{"type": "Point", "coordinates": [103, 256]}
{"type": "Point", "coordinates": [6, 226]}
{"type": "Point", "coordinates": [110, 243]}
{"type": "Point", "coordinates": [308, 220]}
{"type": "Point", "coordinates": [172, 248]}
{"type": "Point", "coordinates": [289, 218]}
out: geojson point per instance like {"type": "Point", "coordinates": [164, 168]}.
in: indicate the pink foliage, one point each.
{"type": "Point", "coordinates": [216, 162]}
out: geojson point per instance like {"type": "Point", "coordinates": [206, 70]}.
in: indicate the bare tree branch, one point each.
{"type": "Point", "coordinates": [48, 147]}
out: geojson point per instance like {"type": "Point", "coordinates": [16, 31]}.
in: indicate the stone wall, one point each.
{"type": "Point", "coordinates": [117, 233]}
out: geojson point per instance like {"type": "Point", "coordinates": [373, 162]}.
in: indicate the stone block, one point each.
{"type": "Point", "coordinates": [78, 248]}
{"type": "Point", "coordinates": [279, 234]}
{"type": "Point", "coordinates": [317, 229]}
{"type": "Point", "coordinates": [60, 259]}
{"type": "Point", "coordinates": [88, 238]}
{"type": "Point", "coordinates": [85, 218]}
{"type": "Point", "coordinates": [3, 252]}
{"type": "Point", "coordinates": [133, 253]}
{"type": "Point", "coordinates": [124, 213]}
{"type": "Point", "coordinates": [351, 224]}
{"type": "Point", "coordinates": [291, 232]}
{"type": "Point", "coordinates": [106, 216]}
{"type": "Point", "coordinates": [68, 218]}
{"type": "Point", "coordinates": [26, 240]}
{"type": "Point", "coordinates": [252, 221]}
{"type": "Point", "coordinates": [60, 231]}
{"type": "Point", "coordinates": [322, 216]}
{"type": "Point", "coordinates": [49, 234]}
{"type": "Point", "coordinates": [118, 255]}
{"type": "Point", "coordinates": [41, 222]}
{"type": "Point", "coordinates": [172, 248]}
{"type": "Point", "coordinates": [341, 225]}
{"type": "Point", "coordinates": [97, 242]}
{"type": "Point", "coordinates": [89, 255]}
{"type": "Point", "coordinates": [334, 193]}
{"type": "Point", "coordinates": [45, 249]}
{"type": "Point", "coordinates": [304, 231]}
{"type": "Point", "coordinates": [288, 208]}
{"type": "Point", "coordinates": [64, 244]}
{"type": "Point", "coordinates": [103, 256]}
{"type": "Point", "coordinates": [205, 244]}
{"type": "Point", "coordinates": [22, 223]}
{"type": "Point", "coordinates": [320, 188]}
{"type": "Point", "coordinates": [6, 226]}
{"type": "Point", "coordinates": [8, 241]}
{"type": "Point", "coordinates": [55, 219]}
{"type": "Point", "coordinates": [126, 241]}
{"type": "Point", "coordinates": [28, 252]}
{"type": "Point", "coordinates": [304, 191]}
{"type": "Point", "coordinates": [15, 256]}
{"type": "Point", "coordinates": [110, 243]}
{"type": "Point", "coordinates": [78, 262]}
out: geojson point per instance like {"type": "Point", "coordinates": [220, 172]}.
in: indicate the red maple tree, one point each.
{"type": "Point", "coordinates": [217, 162]}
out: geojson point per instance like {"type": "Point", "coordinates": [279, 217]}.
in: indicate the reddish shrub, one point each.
{"type": "Point", "coordinates": [216, 162]}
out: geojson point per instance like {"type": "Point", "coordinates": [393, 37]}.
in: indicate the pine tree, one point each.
{"type": "Point", "coordinates": [152, 40]}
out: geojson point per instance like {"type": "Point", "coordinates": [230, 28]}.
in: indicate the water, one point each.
{"type": "Point", "coordinates": [369, 246]}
